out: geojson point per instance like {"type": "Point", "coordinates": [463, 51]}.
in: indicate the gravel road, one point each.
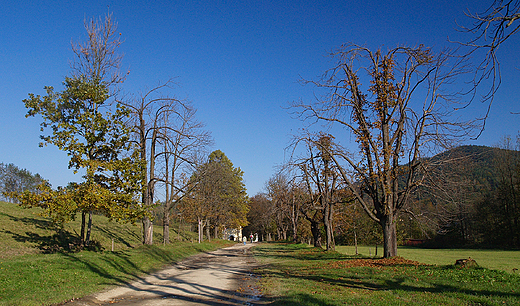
{"type": "Point", "coordinates": [221, 277]}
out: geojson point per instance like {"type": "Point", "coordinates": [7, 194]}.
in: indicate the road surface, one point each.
{"type": "Point", "coordinates": [221, 277]}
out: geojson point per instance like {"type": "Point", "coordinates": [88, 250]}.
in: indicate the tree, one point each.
{"type": "Point", "coordinates": [498, 212]}
{"type": "Point", "coordinates": [388, 122]}
{"type": "Point", "coordinates": [184, 139]}
{"type": "Point", "coordinates": [260, 217]}
{"type": "Point", "coordinates": [490, 29]}
{"type": "Point", "coordinates": [278, 190]}
{"type": "Point", "coordinates": [323, 185]}
{"type": "Point", "coordinates": [86, 124]}
{"type": "Point", "coordinates": [218, 197]}
{"type": "Point", "coordinates": [168, 137]}
{"type": "Point", "coordinates": [287, 196]}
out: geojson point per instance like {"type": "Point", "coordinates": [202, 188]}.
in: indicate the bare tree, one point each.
{"type": "Point", "coordinates": [168, 137]}
{"type": "Point", "coordinates": [278, 192]}
{"type": "Point", "coordinates": [388, 121]}
{"type": "Point", "coordinates": [260, 216]}
{"type": "Point", "coordinates": [97, 58]}
{"type": "Point", "coordinates": [184, 138]}
{"type": "Point", "coordinates": [323, 186]}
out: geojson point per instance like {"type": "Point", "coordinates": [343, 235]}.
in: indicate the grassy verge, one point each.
{"type": "Point", "coordinates": [299, 275]}
{"type": "Point", "coordinates": [491, 259]}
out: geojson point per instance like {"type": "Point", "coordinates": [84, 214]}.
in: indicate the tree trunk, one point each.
{"type": "Point", "coordinates": [389, 236]}
{"type": "Point", "coordinates": [82, 232]}
{"type": "Point", "coordinates": [355, 241]}
{"type": "Point", "coordinates": [215, 232]}
{"type": "Point", "coordinates": [89, 228]}
{"type": "Point", "coordinates": [295, 229]}
{"type": "Point", "coordinates": [207, 231]}
{"type": "Point", "coordinates": [316, 233]}
{"type": "Point", "coordinates": [327, 221]}
{"type": "Point", "coordinates": [166, 223]}
{"type": "Point", "coordinates": [147, 231]}
{"type": "Point", "coordinates": [199, 229]}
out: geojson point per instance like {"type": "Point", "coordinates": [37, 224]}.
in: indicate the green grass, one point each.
{"type": "Point", "coordinates": [491, 259]}
{"type": "Point", "coordinates": [299, 275]}
{"type": "Point", "coordinates": [24, 231]}
{"type": "Point", "coordinates": [28, 276]}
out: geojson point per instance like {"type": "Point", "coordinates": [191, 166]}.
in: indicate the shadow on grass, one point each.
{"type": "Point", "coordinates": [117, 236]}
{"type": "Point", "coordinates": [300, 252]}
{"type": "Point", "coordinates": [59, 242]}
{"type": "Point", "coordinates": [37, 222]}
{"type": "Point", "coordinates": [114, 268]}
{"type": "Point", "coordinates": [411, 278]}
{"type": "Point", "coordinates": [301, 299]}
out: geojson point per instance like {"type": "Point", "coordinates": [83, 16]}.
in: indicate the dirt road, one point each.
{"type": "Point", "coordinates": [221, 277]}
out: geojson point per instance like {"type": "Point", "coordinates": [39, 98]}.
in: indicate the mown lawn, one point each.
{"type": "Point", "coordinates": [294, 274]}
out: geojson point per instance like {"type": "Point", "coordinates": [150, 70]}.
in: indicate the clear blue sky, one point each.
{"type": "Point", "coordinates": [239, 62]}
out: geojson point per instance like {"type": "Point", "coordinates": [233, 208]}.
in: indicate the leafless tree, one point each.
{"type": "Point", "coordinates": [184, 139]}
{"type": "Point", "coordinates": [405, 112]}
{"type": "Point", "coordinates": [166, 130]}
{"type": "Point", "coordinates": [322, 183]}
{"type": "Point", "coordinates": [278, 189]}
{"type": "Point", "coordinates": [97, 58]}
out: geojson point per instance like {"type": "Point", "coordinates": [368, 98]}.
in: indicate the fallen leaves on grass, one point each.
{"type": "Point", "coordinates": [375, 263]}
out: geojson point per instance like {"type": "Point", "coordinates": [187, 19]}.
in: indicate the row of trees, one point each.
{"type": "Point", "coordinates": [14, 179]}
{"type": "Point", "coordinates": [469, 197]}
{"type": "Point", "coordinates": [408, 110]}
{"type": "Point", "coordinates": [398, 105]}
{"type": "Point", "coordinates": [484, 207]}
{"type": "Point", "coordinates": [498, 212]}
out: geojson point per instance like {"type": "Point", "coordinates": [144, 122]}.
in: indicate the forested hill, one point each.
{"type": "Point", "coordinates": [471, 163]}
{"type": "Point", "coordinates": [474, 194]}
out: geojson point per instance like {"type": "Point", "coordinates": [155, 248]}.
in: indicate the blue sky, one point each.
{"type": "Point", "coordinates": [239, 62]}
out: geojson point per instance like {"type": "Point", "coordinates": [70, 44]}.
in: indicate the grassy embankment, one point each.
{"type": "Point", "coordinates": [28, 276]}
{"type": "Point", "coordinates": [298, 275]}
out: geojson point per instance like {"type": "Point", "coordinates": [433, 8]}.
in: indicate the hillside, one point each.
{"type": "Point", "coordinates": [24, 231]}
{"type": "Point", "coordinates": [464, 197]}
{"type": "Point", "coordinates": [475, 163]}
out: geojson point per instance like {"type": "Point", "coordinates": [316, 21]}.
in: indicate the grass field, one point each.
{"type": "Point", "coordinates": [491, 259]}
{"type": "Point", "coordinates": [28, 276]}
{"type": "Point", "coordinates": [295, 274]}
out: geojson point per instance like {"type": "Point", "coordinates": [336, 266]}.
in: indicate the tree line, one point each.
{"type": "Point", "coordinates": [468, 198]}
{"type": "Point", "coordinates": [14, 179]}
